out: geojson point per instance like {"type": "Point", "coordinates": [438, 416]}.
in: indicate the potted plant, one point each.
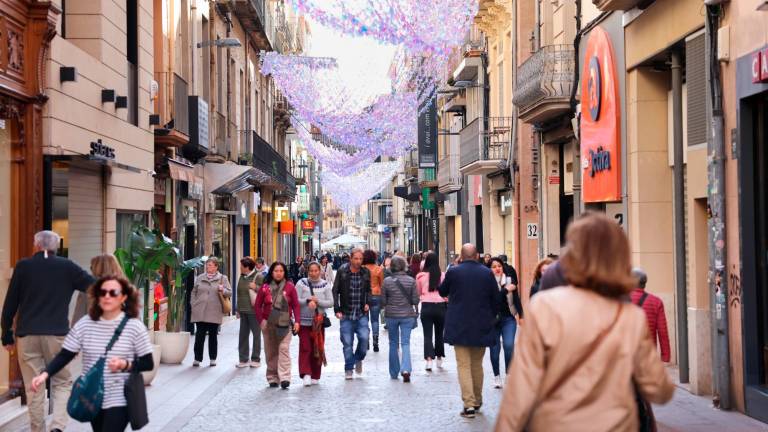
{"type": "Point", "coordinates": [147, 253]}
{"type": "Point", "coordinates": [175, 342]}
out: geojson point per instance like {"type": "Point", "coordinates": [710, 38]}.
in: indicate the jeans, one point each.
{"type": "Point", "coordinates": [212, 330]}
{"type": "Point", "coordinates": [508, 328]}
{"type": "Point", "coordinates": [433, 318]}
{"type": "Point", "coordinates": [348, 329]}
{"type": "Point", "coordinates": [400, 333]}
{"type": "Point", "coordinates": [375, 311]}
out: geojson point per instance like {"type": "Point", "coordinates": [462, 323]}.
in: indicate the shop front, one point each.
{"type": "Point", "coordinates": [752, 120]}
{"type": "Point", "coordinates": [26, 29]}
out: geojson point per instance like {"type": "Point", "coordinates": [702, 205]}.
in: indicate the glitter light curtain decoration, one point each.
{"type": "Point", "coordinates": [350, 191]}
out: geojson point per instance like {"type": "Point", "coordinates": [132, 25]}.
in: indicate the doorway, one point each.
{"type": "Point", "coordinates": [479, 228]}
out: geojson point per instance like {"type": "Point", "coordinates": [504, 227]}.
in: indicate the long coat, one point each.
{"type": "Point", "coordinates": [206, 304]}
{"type": "Point", "coordinates": [472, 305]}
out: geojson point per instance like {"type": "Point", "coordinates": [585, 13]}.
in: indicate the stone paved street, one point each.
{"type": "Point", "coordinates": [373, 402]}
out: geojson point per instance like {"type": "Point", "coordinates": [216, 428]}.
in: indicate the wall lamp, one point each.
{"type": "Point", "coordinates": [226, 42]}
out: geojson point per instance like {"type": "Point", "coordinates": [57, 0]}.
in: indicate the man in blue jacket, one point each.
{"type": "Point", "coordinates": [469, 322]}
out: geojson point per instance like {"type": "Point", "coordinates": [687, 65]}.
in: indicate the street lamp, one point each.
{"type": "Point", "coordinates": [226, 42]}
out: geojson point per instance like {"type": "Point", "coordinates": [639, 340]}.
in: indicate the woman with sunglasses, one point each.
{"type": "Point", "coordinates": [113, 298]}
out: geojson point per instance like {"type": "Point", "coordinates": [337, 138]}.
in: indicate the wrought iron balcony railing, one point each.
{"type": "Point", "coordinates": [485, 145]}
{"type": "Point", "coordinates": [544, 84]}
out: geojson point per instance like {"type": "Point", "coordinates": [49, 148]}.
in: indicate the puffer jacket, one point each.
{"type": "Point", "coordinates": [206, 304]}
{"type": "Point", "coordinates": [397, 305]}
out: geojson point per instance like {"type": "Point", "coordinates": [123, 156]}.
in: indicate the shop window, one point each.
{"type": "Point", "coordinates": [124, 223]}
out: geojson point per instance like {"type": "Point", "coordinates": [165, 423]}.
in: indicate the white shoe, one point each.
{"type": "Point", "coordinates": [348, 375]}
{"type": "Point", "coordinates": [497, 381]}
{"type": "Point", "coordinates": [241, 365]}
{"type": "Point", "coordinates": [195, 363]}
{"type": "Point", "coordinates": [213, 363]}
{"type": "Point", "coordinates": [315, 382]}
{"type": "Point", "coordinates": [439, 362]}
{"type": "Point", "coordinates": [307, 381]}
{"type": "Point", "coordinates": [429, 366]}
{"type": "Point", "coordinates": [255, 364]}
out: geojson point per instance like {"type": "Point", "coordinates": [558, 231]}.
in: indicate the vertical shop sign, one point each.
{"type": "Point", "coordinates": [428, 135]}
{"type": "Point", "coordinates": [600, 121]}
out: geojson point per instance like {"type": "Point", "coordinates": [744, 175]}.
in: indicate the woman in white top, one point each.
{"type": "Point", "coordinates": [112, 299]}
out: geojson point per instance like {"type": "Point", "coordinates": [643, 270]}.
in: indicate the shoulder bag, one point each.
{"type": "Point", "coordinates": [326, 320]}
{"type": "Point", "coordinates": [87, 394]}
{"type": "Point", "coordinates": [226, 302]}
{"type": "Point", "coordinates": [136, 398]}
{"type": "Point", "coordinates": [408, 299]}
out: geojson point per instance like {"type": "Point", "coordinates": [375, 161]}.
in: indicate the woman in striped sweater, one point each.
{"type": "Point", "coordinates": [113, 298]}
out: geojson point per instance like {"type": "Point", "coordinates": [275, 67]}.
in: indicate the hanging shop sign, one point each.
{"type": "Point", "coordinates": [600, 121]}
{"type": "Point", "coordinates": [286, 227]}
{"type": "Point", "coordinates": [308, 225]}
{"type": "Point", "coordinates": [428, 135]}
{"type": "Point", "coordinates": [505, 203]}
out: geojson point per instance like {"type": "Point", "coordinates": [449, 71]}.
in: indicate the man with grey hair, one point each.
{"type": "Point", "coordinates": [470, 322]}
{"type": "Point", "coordinates": [351, 302]}
{"type": "Point", "coordinates": [38, 298]}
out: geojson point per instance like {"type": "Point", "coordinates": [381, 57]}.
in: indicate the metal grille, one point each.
{"type": "Point", "coordinates": [546, 74]}
{"type": "Point", "coordinates": [180, 105]}
{"type": "Point", "coordinates": [695, 78]}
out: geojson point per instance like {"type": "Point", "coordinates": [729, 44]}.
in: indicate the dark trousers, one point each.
{"type": "Point", "coordinates": [111, 419]}
{"type": "Point", "coordinates": [203, 329]}
{"type": "Point", "coordinates": [433, 319]}
{"type": "Point", "coordinates": [249, 327]}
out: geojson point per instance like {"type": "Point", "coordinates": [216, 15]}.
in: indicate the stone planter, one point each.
{"type": "Point", "coordinates": [174, 346]}
{"type": "Point", "coordinates": [150, 375]}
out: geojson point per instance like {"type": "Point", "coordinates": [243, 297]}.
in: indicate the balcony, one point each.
{"type": "Point", "coordinates": [449, 177]}
{"type": "Point", "coordinates": [485, 149]}
{"type": "Point", "coordinates": [427, 178]}
{"type": "Point", "coordinates": [255, 17]}
{"type": "Point", "coordinates": [621, 5]}
{"type": "Point", "coordinates": [173, 108]}
{"type": "Point", "coordinates": [544, 84]}
{"type": "Point", "coordinates": [270, 162]}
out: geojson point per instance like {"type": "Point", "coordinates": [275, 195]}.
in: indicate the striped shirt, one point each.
{"type": "Point", "coordinates": [90, 338]}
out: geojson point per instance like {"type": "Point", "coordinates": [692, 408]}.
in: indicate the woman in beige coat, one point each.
{"type": "Point", "coordinates": [207, 309]}
{"type": "Point", "coordinates": [584, 346]}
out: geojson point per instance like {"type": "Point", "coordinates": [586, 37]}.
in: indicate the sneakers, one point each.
{"type": "Point", "coordinates": [348, 375]}
{"type": "Point", "coordinates": [468, 413]}
{"type": "Point", "coordinates": [285, 384]}
{"type": "Point", "coordinates": [315, 382]}
{"type": "Point", "coordinates": [406, 377]}
{"type": "Point", "coordinates": [213, 363]}
{"type": "Point", "coordinates": [429, 365]}
{"type": "Point", "coordinates": [497, 381]}
{"type": "Point", "coordinates": [307, 381]}
{"type": "Point", "coordinates": [241, 365]}
{"type": "Point", "coordinates": [255, 364]}
{"type": "Point", "coordinates": [359, 367]}
{"type": "Point", "coordinates": [439, 362]}
{"type": "Point", "coordinates": [195, 363]}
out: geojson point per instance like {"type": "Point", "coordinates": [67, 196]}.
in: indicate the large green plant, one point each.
{"type": "Point", "coordinates": [148, 252]}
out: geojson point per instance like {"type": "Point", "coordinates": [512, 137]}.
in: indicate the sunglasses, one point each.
{"type": "Point", "coordinates": [114, 293]}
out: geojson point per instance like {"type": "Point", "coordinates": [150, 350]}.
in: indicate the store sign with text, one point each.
{"type": "Point", "coordinates": [600, 121]}
{"type": "Point", "coordinates": [427, 135]}
{"type": "Point", "coordinates": [760, 66]}
{"type": "Point", "coordinates": [308, 225]}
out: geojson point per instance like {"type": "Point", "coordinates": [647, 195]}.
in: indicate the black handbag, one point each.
{"type": "Point", "coordinates": [136, 398]}
{"type": "Point", "coordinates": [326, 320]}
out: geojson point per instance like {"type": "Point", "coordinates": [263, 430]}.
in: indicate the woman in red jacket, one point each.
{"type": "Point", "coordinates": [277, 312]}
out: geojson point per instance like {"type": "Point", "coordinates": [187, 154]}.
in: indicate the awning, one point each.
{"type": "Point", "coordinates": [343, 240]}
{"type": "Point", "coordinates": [181, 171]}
{"type": "Point", "coordinates": [229, 178]}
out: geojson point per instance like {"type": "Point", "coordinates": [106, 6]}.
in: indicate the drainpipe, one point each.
{"type": "Point", "coordinates": [575, 119]}
{"type": "Point", "coordinates": [679, 187]}
{"type": "Point", "coordinates": [718, 280]}
{"type": "Point", "coordinates": [538, 142]}
{"type": "Point", "coordinates": [513, 137]}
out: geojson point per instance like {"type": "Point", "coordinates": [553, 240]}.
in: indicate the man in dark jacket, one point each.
{"type": "Point", "coordinates": [351, 301]}
{"type": "Point", "coordinates": [469, 322]}
{"type": "Point", "coordinates": [38, 297]}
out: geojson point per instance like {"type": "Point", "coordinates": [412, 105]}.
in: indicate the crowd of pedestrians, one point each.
{"type": "Point", "coordinates": [577, 347]}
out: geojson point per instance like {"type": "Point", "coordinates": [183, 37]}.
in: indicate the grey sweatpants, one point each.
{"type": "Point", "coordinates": [249, 326]}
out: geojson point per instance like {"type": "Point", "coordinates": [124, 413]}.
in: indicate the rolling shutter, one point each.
{"type": "Point", "coordinates": [696, 81]}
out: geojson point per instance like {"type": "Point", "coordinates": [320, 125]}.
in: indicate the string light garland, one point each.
{"type": "Point", "coordinates": [350, 191]}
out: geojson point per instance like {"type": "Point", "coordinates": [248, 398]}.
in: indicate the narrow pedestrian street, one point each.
{"type": "Point", "coordinates": [183, 398]}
